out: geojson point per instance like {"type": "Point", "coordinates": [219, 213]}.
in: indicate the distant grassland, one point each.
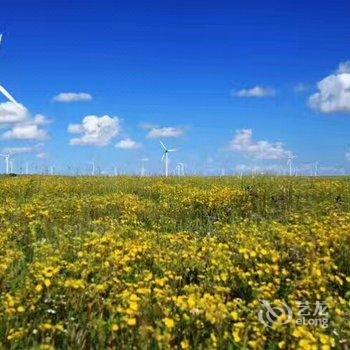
{"type": "Point", "coordinates": [126, 262]}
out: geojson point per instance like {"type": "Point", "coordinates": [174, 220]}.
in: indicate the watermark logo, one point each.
{"type": "Point", "coordinates": [310, 314]}
{"type": "Point", "coordinates": [270, 314]}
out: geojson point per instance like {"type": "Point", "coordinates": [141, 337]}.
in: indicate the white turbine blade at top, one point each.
{"type": "Point", "coordinates": [172, 150]}
{"type": "Point", "coordinates": [8, 96]}
{"type": "Point", "coordinates": [162, 144]}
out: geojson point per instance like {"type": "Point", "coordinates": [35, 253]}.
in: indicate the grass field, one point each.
{"type": "Point", "coordinates": [172, 263]}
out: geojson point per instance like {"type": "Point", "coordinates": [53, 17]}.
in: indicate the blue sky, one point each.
{"type": "Point", "coordinates": [224, 82]}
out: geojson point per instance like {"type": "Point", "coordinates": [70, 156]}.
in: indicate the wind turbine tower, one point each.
{"type": "Point", "coordinates": [93, 168]}
{"type": "Point", "coordinates": [143, 170]}
{"type": "Point", "coordinates": [181, 169]}
{"type": "Point", "coordinates": [178, 169]}
{"type": "Point", "coordinates": [165, 157]}
{"type": "Point", "coordinates": [290, 164]}
{"type": "Point", "coordinates": [7, 162]}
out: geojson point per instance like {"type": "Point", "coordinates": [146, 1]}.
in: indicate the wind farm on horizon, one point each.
{"type": "Point", "coordinates": [47, 167]}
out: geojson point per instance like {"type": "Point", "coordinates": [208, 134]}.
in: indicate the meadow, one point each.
{"type": "Point", "coordinates": [177, 263]}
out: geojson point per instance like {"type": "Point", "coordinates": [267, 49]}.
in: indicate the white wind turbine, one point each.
{"type": "Point", "coordinates": [11, 166]}
{"type": "Point", "coordinates": [11, 99]}
{"type": "Point", "coordinates": [93, 168]}
{"type": "Point", "coordinates": [180, 169]}
{"type": "Point", "coordinates": [165, 157]}
{"type": "Point", "coordinates": [5, 92]}
{"type": "Point", "coordinates": [7, 162]}
{"type": "Point", "coordinates": [143, 169]}
{"type": "Point", "coordinates": [290, 163]}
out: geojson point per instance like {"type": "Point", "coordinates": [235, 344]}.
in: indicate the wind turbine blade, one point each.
{"type": "Point", "coordinates": [8, 96]}
{"type": "Point", "coordinates": [172, 150]}
{"type": "Point", "coordinates": [163, 157]}
{"type": "Point", "coordinates": [1, 38]}
{"type": "Point", "coordinates": [162, 144]}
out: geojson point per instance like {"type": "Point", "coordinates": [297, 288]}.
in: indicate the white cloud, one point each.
{"type": "Point", "coordinates": [243, 143]}
{"type": "Point", "coordinates": [22, 150]}
{"type": "Point", "coordinates": [29, 129]}
{"type": "Point", "coordinates": [165, 132]}
{"type": "Point", "coordinates": [256, 91]}
{"type": "Point", "coordinates": [95, 131]}
{"type": "Point", "coordinates": [21, 124]}
{"type": "Point", "coordinates": [68, 97]}
{"type": "Point", "coordinates": [40, 119]}
{"type": "Point", "coordinates": [11, 113]}
{"type": "Point", "coordinates": [25, 132]}
{"type": "Point", "coordinates": [334, 92]}
{"type": "Point", "coordinates": [344, 67]}
{"type": "Point", "coordinates": [128, 144]}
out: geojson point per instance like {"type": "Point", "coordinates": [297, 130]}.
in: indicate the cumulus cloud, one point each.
{"type": "Point", "coordinates": [243, 143]}
{"type": "Point", "coordinates": [40, 119]}
{"type": "Point", "coordinates": [165, 132]}
{"type": "Point", "coordinates": [95, 131]}
{"type": "Point", "coordinates": [22, 125]}
{"type": "Point", "coordinates": [12, 113]}
{"type": "Point", "coordinates": [344, 67]}
{"type": "Point", "coordinates": [25, 132]}
{"type": "Point", "coordinates": [128, 144]}
{"type": "Point", "coordinates": [256, 91]}
{"type": "Point", "coordinates": [68, 97]}
{"type": "Point", "coordinates": [333, 92]}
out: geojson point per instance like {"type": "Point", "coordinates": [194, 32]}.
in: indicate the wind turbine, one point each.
{"type": "Point", "coordinates": [179, 169]}
{"type": "Point", "coordinates": [316, 169]}
{"type": "Point", "coordinates": [93, 168]}
{"type": "Point", "coordinates": [165, 157]}
{"type": "Point", "coordinates": [182, 169]}
{"type": "Point", "coordinates": [143, 169]}
{"type": "Point", "coordinates": [290, 163]}
{"type": "Point", "coordinates": [5, 92]}
{"type": "Point", "coordinates": [7, 162]}
{"type": "Point", "coordinates": [11, 166]}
